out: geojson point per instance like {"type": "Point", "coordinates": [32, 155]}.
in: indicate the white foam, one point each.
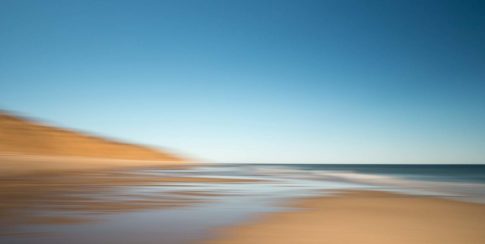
{"type": "Point", "coordinates": [474, 192]}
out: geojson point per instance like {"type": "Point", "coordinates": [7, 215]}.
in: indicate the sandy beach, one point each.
{"type": "Point", "coordinates": [86, 191]}
{"type": "Point", "coordinates": [366, 217]}
{"type": "Point", "coordinates": [225, 204]}
{"type": "Point", "coordinates": [26, 165]}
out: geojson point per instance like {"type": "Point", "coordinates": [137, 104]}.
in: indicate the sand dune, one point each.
{"type": "Point", "coordinates": [20, 137]}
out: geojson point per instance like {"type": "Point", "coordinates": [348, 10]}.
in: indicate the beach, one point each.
{"type": "Point", "coordinates": [367, 217]}
{"type": "Point", "coordinates": [37, 202]}
{"type": "Point", "coordinates": [245, 203]}
{"type": "Point", "coordinates": [11, 165]}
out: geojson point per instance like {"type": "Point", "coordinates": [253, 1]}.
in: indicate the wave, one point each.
{"type": "Point", "coordinates": [467, 191]}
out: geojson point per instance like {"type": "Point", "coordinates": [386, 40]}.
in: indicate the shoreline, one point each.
{"type": "Point", "coordinates": [76, 196]}
{"type": "Point", "coordinates": [364, 217]}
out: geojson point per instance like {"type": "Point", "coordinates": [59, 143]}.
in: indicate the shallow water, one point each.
{"type": "Point", "coordinates": [164, 206]}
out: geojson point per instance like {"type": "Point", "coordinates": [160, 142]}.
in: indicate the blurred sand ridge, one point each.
{"type": "Point", "coordinates": [23, 140]}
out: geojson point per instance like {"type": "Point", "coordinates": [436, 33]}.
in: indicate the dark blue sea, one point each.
{"type": "Point", "coordinates": [471, 173]}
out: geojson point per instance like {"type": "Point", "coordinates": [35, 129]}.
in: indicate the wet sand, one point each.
{"type": "Point", "coordinates": [44, 197]}
{"type": "Point", "coordinates": [366, 217]}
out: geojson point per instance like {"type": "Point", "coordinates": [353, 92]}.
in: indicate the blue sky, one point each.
{"type": "Point", "coordinates": [256, 81]}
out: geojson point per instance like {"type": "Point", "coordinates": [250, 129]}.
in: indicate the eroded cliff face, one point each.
{"type": "Point", "coordinates": [20, 136]}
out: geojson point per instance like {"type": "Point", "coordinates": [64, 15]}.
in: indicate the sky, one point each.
{"type": "Point", "coordinates": [255, 81]}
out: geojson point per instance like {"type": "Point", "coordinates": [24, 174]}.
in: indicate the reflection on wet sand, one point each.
{"type": "Point", "coordinates": [79, 197]}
